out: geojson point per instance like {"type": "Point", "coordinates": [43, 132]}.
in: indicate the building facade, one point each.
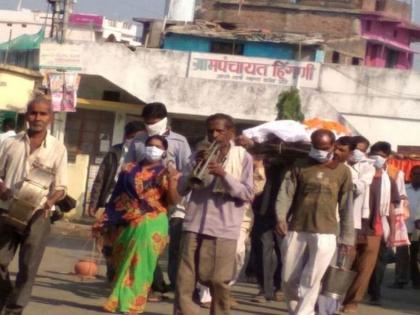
{"type": "Point", "coordinates": [354, 32]}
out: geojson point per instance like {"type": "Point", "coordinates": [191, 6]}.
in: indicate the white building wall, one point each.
{"type": "Point", "coordinates": [181, 10]}
{"type": "Point", "coordinates": [379, 103]}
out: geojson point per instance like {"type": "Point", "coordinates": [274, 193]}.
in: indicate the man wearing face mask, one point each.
{"type": "Point", "coordinates": [383, 197]}
{"type": "Point", "coordinates": [155, 117]}
{"type": "Point", "coordinates": [307, 215]}
{"type": "Point", "coordinates": [104, 183]}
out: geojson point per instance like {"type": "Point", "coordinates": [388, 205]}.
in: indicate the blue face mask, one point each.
{"type": "Point", "coordinates": [320, 155]}
{"type": "Point", "coordinates": [356, 156]}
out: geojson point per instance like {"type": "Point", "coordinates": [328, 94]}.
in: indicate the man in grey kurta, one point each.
{"type": "Point", "coordinates": [212, 223]}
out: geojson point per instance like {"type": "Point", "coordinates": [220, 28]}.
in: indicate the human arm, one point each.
{"type": "Point", "coordinates": [243, 188]}
{"type": "Point", "coordinates": [364, 179]}
{"type": "Point", "coordinates": [345, 210]}
{"type": "Point", "coordinates": [173, 177]}
{"type": "Point", "coordinates": [59, 187]}
{"type": "Point", "coordinates": [284, 200]}
{"type": "Point", "coordinates": [259, 177]}
{"type": "Point", "coordinates": [98, 184]}
{"type": "Point", "coordinates": [5, 192]}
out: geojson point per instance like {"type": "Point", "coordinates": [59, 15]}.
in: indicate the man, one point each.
{"type": "Point", "coordinates": [265, 241]}
{"type": "Point", "coordinates": [104, 183]}
{"type": "Point", "coordinates": [352, 152]}
{"type": "Point", "coordinates": [155, 117]}
{"type": "Point", "coordinates": [372, 237]}
{"type": "Point", "coordinates": [213, 220]}
{"type": "Point", "coordinates": [413, 194]}
{"type": "Point", "coordinates": [8, 129]}
{"type": "Point", "coordinates": [307, 216]}
{"type": "Point", "coordinates": [18, 155]}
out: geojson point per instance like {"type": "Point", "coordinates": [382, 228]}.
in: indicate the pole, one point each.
{"type": "Point", "coordinates": [19, 6]}
{"type": "Point", "coordinates": [66, 13]}
{"type": "Point", "coordinates": [6, 55]}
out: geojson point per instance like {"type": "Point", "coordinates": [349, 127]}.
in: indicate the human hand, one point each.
{"type": "Point", "coordinates": [92, 211]}
{"type": "Point", "coordinates": [47, 208]}
{"type": "Point", "coordinates": [281, 228]}
{"type": "Point", "coordinates": [216, 169]}
{"type": "Point", "coordinates": [172, 172]}
{"type": "Point", "coordinates": [244, 141]}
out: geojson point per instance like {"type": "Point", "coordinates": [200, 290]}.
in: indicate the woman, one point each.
{"type": "Point", "coordinates": [139, 202]}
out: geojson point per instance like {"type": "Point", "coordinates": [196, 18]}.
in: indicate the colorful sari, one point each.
{"type": "Point", "coordinates": [139, 203]}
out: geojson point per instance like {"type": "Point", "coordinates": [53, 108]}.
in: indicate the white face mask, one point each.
{"type": "Point", "coordinates": [379, 161]}
{"type": "Point", "coordinates": [356, 156]}
{"type": "Point", "coordinates": [320, 155]}
{"type": "Point", "coordinates": [153, 153]}
{"type": "Point", "coordinates": [158, 128]}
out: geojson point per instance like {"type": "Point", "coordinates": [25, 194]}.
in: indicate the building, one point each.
{"type": "Point", "coordinates": [416, 46]}
{"type": "Point", "coordinates": [371, 33]}
{"type": "Point", "coordinates": [82, 27]}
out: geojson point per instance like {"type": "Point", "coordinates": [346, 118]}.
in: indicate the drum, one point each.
{"type": "Point", "coordinates": [33, 192]}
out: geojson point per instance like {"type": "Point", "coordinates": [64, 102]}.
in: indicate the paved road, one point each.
{"type": "Point", "coordinates": [59, 292]}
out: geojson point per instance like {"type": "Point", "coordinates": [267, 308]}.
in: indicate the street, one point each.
{"type": "Point", "coordinates": [59, 292]}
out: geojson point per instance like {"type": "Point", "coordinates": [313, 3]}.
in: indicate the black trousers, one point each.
{"type": "Point", "coordinates": [175, 234]}
{"type": "Point", "coordinates": [31, 249]}
{"type": "Point", "coordinates": [267, 256]}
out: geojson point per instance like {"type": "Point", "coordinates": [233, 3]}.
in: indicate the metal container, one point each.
{"type": "Point", "coordinates": [337, 281]}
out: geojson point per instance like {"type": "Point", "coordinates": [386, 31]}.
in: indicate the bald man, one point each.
{"type": "Point", "coordinates": [306, 210]}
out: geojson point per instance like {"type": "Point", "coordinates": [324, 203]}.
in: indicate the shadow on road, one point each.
{"type": "Point", "coordinates": [90, 289]}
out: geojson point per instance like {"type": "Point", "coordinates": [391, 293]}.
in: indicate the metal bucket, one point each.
{"type": "Point", "coordinates": [337, 281]}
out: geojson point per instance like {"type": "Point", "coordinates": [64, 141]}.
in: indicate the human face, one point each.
{"type": "Point", "coordinates": [218, 131]}
{"type": "Point", "coordinates": [362, 147]}
{"type": "Point", "coordinates": [323, 143]}
{"type": "Point", "coordinates": [39, 117]}
{"type": "Point", "coordinates": [151, 121]}
{"type": "Point", "coordinates": [156, 143]}
{"type": "Point", "coordinates": [341, 153]}
{"type": "Point", "coordinates": [415, 177]}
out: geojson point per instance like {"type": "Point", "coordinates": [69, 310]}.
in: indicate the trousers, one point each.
{"type": "Point", "coordinates": [210, 261]}
{"type": "Point", "coordinates": [31, 249]}
{"type": "Point", "coordinates": [306, 257]}
{"type": "Point", "coordinates": [365, 256]}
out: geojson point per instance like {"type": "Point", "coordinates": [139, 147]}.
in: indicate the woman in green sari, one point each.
{"type": "Point", "coordinates": [139, 202]}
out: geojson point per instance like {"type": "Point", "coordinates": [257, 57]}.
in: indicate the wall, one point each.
{"type": "Point", "coordinates": [253, 49]}
{"type": "Point", "coordinates": [269, 50]}
{"type": "Point", "coordinates": [345, 93]}
{"type": "Point", "coordinates": [15, 90]}
{"type": "Point", "coordinates": [281, 20]}
{"type": "Point", "coordinates": [186, 43]}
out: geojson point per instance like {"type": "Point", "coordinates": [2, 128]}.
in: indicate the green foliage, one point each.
{"type": "Point", "coordinates": [289, 106]}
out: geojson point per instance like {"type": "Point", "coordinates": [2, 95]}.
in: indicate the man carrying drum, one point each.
{"type": "Point", "coordinates": [26, 160]}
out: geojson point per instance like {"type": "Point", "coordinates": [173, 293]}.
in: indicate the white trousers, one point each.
{"type": "Point", "coordinates": [306, 257]}
{"type": "Point", "coordinates": [205, 296]}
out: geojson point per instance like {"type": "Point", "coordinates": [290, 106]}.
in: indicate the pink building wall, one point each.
{"type": "Point", "coordinates": [384, 38]}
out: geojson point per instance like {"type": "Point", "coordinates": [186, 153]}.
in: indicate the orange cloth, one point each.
{"type": "Point", "coordinates": [404, 165]}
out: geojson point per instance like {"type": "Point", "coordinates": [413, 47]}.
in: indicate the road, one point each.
{"type": "Point", "coordinates": [59, 292]}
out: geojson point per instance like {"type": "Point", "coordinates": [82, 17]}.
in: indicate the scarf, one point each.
{"type": "Point", "coordinates": [232, 166]}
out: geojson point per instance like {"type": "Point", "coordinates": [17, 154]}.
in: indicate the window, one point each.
{"type": "Point", "coordinates": [23, 25]}
{"type": "Point", "coordinates": [355, 61]}
{"type": "Point", "coordinates": [335, 57]}
{"type": "Point", "coordinates": [391, 58]}
{"type": "Point", "coordinates": [227, 48]}
{"type": "Point", "coordinates": [9, 24]}
{"type": "Point", "coordinates": [126, 25]}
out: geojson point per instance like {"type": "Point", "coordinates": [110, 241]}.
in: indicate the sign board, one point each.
{"type": "Point", "coordinates": [60, 56]}
{"type": "Point", "coordinates": [77, 19]}
{"type": "Point", "coordinates": [254, 70]}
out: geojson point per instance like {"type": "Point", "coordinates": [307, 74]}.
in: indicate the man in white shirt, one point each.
{"type": "Point", "coordinates": [8, 129]}
{"type": "Point", "coordinates": [20, 155]}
